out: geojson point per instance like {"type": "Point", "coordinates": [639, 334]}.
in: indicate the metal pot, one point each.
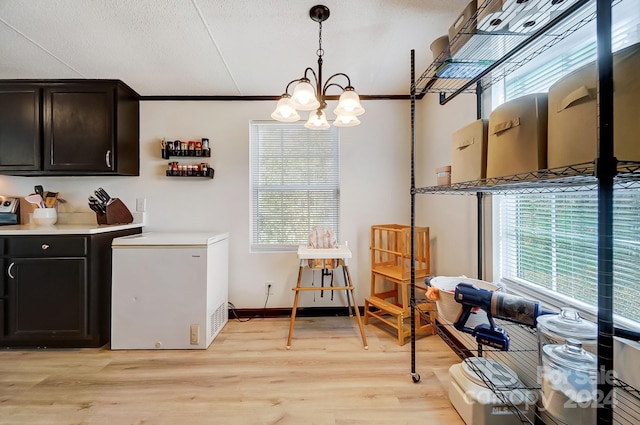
{"type": "Point", "coordinates": [557, 328]}
{"type": "Point", "coordinates": [569, 382]}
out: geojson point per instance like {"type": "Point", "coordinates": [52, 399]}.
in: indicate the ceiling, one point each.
{"type": "Point", "coordinates": [220, 47]}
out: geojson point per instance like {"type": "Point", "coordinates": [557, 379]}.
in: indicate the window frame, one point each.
{"type": "Point", "coordinates": [319, 196]}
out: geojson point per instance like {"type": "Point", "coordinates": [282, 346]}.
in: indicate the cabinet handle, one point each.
{"type": "Point", "coordinates": [9, 270]}
{"type": "Point", "coordinates": [107, 158]}
{"type": "Point", "coordinates": [45, 246]}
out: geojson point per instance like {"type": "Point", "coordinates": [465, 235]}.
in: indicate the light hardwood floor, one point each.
{"type": "Point", "coordinates": [245, 377]}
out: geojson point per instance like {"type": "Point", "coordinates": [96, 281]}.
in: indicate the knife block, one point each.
{"type": "Point", "coordinates": [117, 213]}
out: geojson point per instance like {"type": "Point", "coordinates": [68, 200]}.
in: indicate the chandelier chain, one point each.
{"type": "Point", "coordinates": [320, 51]}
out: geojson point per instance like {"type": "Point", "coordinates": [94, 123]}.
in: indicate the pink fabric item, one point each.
{"type": "Point", "coordinates": [322, 237]}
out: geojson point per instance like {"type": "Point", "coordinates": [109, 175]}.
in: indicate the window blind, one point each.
{"type": "Point", "coordinates": [572, 53]}
{"type": "Point", "coordinates": [547, 243]}
{"type": "Point", "coordinates": [551, 240]}
{"type": "Point", "coordinates": [295, 183]}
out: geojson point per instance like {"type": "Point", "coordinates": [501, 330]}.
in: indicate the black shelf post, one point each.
{"type": "Point", "coordinates": [605, 172]}
{"type": "Point", "coordinates": [412, 292]}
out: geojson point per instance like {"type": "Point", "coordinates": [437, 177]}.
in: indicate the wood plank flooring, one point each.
{"type": "Point", "coordinates": [245, 377]}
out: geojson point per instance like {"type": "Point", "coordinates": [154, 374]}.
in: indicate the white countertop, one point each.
{"type": "Point", "coordinates": [64, 229]}
{"type": "Point", "coordinates": [71, 224]}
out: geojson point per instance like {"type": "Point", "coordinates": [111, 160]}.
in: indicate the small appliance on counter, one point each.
{"type": "Point", "coordinates": [9, 210]}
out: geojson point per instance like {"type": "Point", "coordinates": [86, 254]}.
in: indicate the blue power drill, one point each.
{"type": "Point", "coordinates": [496, 304]}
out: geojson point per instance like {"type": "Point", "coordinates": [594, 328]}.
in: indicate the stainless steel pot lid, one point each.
{"type": "Point", "coordinates": [568, 324]}
{"type": "Point", "coordinates": [481, 370]}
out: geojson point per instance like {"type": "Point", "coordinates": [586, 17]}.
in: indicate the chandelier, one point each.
{"type": "Point", "coordinates": [306, 97]}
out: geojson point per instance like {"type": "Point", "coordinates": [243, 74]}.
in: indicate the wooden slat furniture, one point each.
{"type": "Point", "coordinates": [341, 254]}
{"type": "Point", "coordinates": [389, 300]}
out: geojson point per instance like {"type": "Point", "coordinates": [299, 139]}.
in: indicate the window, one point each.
{"type": "Point", "coordinates": [547, 243]}
{"type": "Point", "coordinates": [295, 184]}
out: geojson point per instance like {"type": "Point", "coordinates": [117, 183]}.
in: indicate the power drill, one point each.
{"type": "Point", "coordinates": [496, 304]}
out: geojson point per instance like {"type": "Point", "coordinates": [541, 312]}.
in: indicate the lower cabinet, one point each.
{"type": "Point", "coordinates": [47, 299]}
{"type": "Point", "coordinates": [56, 290]}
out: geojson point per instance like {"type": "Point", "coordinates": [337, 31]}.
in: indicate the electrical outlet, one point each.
{"type": "Point", "coordinates": [268, 287]}
{"type": "Point", "coordinates": [194, 335]}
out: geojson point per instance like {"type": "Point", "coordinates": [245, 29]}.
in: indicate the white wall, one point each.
{"type": "Point", "coordinates": [375, 188]}
{"type": "Point", "coordinates": [452, 219]}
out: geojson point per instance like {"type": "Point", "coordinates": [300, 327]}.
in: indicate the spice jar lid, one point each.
{"type": "Point", "coordinates": [568, 324]}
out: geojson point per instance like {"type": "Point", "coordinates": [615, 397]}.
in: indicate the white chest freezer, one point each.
{"type": "Point", "coordinates": [169, 290]}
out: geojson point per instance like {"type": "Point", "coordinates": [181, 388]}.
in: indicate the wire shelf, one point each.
{"type": "Point", "coordinates": [523, 358]}
{"type": "Point", "coordinates": [485, 57]}
{"type": "Point", "coordinates": [572, 178]}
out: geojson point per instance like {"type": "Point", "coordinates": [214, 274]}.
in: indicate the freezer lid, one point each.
{"type": "Point", "coordinates": [169, 239]}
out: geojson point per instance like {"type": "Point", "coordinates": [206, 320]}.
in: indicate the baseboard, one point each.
{"type": "Point", "coordinates": [244, 313]}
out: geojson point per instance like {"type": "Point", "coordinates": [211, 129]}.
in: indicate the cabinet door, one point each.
{"type": "Point", "coordinates": [79, 128]}
{"type": "Point", "coordinates": [47, 299]}
{"type": "Point", "coordinates": [20, 128]}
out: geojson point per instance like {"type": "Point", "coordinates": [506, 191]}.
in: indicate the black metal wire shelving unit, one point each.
{"type": "Point", "coordinates": [483, 60]}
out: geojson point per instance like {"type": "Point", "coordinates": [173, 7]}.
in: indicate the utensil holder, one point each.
{"type": "Point", "coordinates": [117, 213]}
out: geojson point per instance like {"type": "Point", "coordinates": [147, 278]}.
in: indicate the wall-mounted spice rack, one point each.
{"type": "Point", "coordinates": [190, 171]}
{"type": "Point", "coordinates": [191, 149]}
{"type": "Point", "coordinates": [202, 153]}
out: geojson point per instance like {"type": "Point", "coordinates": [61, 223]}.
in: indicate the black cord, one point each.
{"type": "Point", "coordinates": [233, 311]}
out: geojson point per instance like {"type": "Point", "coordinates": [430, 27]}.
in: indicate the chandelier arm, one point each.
{"type": "Point", "coordinates": [297, 80]}
{"type": "Point", "coordinates": [327, 84]}
{"type": "Point", "coordinates": [286, 90]}
{"type": "Point", "coordinates": [315, 76]}
{"type": "Point", "coordinates": [326, 87]}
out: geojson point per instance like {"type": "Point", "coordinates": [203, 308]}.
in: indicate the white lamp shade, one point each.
{"type": "Point", "coordinates": [285, 112]}
{"type": "Point", "coordinates": [349, 104]}
{"type": "Point", "coordinates": [317, 121]}
{"type": "Point", "coordinates": [346, 121]}
{"type": "Point", "coordinates": [304, 97]}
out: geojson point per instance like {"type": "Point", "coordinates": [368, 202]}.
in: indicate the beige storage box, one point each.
{"type": "Point", "coordinates": [469, 152]}
{"type": "Point", "coordinates": [458, 27]}
{"type": "Point", "coordinates": [573, 120]}
{"type": "Point", "coordinates": [517, 141]}
{"type": "Point", "coordinates": [477, 404]}
{"type": "Point", "coordinates": [443, 176]}
{"type": "Point", "coordinates": [440, 46]}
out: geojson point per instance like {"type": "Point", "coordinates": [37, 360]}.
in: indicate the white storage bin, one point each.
{"type": "Point", "coordinates": [469, 152]}
{"type": "Point", "coordinates": [572, 112]}
{"type": "Point", "coordinates": [477, 404]}
{"type": "Point", "coordinates": [448, 308]}
{"type": "Point", "coordinates": [518, 136]}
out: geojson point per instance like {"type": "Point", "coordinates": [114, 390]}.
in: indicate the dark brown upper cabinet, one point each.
{"type": "Point", "coordinates": [69, 127]}
{"type": "Point", "coordinates": [20, 135]}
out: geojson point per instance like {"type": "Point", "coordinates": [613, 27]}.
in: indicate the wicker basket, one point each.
{"type": "Point", "coordinates": [447, 306]}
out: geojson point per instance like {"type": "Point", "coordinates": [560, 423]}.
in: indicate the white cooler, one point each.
{"type": "Point", "coordinates": [479, 405]}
